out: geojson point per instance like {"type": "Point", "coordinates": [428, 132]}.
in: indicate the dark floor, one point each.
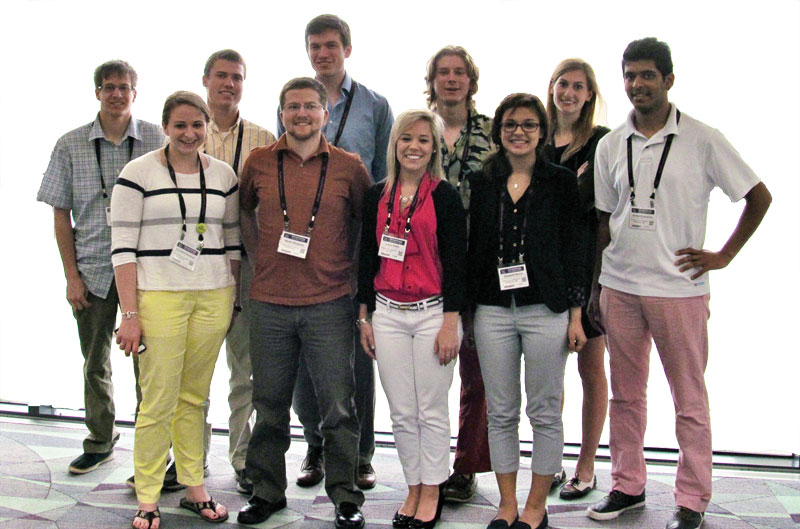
{"type": "Point", "coordinates": [37, 492]}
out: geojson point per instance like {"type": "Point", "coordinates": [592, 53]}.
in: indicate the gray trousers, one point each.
{"type": "Point", "coordinates": [305, 405]}
{"type": "Point", "coordinates": [504, 336]}
{"type": "Point", "coordinates": [95, 328]}
{"type": "Point", "coordinates": [322, 335]}
{"type": "Point", "coordinates": [240, 395]}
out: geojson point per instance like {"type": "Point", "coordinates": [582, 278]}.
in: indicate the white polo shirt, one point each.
{"type": "Point", "coordinates": [638, 261]}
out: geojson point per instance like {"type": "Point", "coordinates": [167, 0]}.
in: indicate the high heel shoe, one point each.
{"type": "Point", "coordinates": [416, 523]}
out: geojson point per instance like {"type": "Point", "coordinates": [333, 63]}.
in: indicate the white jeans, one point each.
{"type": "Point", "coordinates": [416, 387]}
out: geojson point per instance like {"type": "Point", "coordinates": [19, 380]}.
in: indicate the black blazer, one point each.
{"type": "Point", "coordinates": [553, 249]}
{"type": "Point", "coordinates": [451, 236]}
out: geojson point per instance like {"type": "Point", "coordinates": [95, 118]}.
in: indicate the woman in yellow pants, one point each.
{"type": "Point", "coordinates": [175, 250]}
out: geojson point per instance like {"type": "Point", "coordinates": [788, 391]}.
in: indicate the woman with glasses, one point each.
{"type": "Point", "coordinates": [412, 283]}
{"type": "Point", "coordinates": [525, 277]}
{"type": "Point", "coordinates": [175, 251]}
{"type": "Point", "coordinates": [572, 104]}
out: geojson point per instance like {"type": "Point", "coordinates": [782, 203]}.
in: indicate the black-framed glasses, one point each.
{"type": "Point", "coordinates": [511, 126]}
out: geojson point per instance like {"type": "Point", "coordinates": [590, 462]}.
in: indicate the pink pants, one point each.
{"type": "Point", "coordinates": [678, 327]}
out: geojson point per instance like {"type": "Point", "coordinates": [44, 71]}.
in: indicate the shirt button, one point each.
{"type": "Point", "coordinates": [515, 210]}
{"type": "Point", "coordinates": [515, 228]}
{"type": "Point", "coordinates": [514, 245]}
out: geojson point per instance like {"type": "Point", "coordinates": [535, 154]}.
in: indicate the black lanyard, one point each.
{"type": "Point", "coordinates": [661, 163]}
{"type": "Point", "coordinates": [345, 113]}
{"type": "Point", "coordinates": [282, 191]}
{"type": "Point", "coordinates": [462, 170]}
{"type": "Point", "coordinates": [100, 166]}
{"type": "Point", "coordinates": [238, 153]}
{"type": "Point", "coordinates": [411, 208]}
{"type": "Point", "coordinates": [528, 199]}
{"type": "Point", "coordinates": [201, 226]}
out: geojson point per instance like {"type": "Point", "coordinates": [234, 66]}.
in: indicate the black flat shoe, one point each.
{"type": "Point", "coordinates": [401, 521]}
{"type": "Point", "coordinates": [518, 524]}
{"type": "Point", "coordinates": [258, 510]}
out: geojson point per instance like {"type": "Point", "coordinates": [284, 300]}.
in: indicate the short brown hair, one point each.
{"type": "Point", "coordinates": [298, 83]}
{"type": "Point", "coordinates": [224, 55]}
{"type": "Point", "coordinates": [323, 23]}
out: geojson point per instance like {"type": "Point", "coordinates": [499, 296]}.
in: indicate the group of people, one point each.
{"type": "Point", "coordinates": [355, 238]}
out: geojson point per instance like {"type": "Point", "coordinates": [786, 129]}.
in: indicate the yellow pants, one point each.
{"type": "Point", "coordinates": [183, 332]}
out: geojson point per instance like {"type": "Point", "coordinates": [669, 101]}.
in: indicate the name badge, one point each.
{"type": "Point", "coordinates": [392, 247]}
{"type": "Point", "coordinates": [642, 219]}
{"type": "Point", "coordinates": [108, 215]}
{"type": "Point", "coordinates": [294, 244]}
{"type": "Point", "coordinates": [513, 276]}
{"type": "Point", "coordinates": [185, 255]}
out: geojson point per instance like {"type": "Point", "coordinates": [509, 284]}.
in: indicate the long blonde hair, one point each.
{"type": "Point", "coordinates": [403, 122]}
{"type": "Point", "coordinates": [591, 111]}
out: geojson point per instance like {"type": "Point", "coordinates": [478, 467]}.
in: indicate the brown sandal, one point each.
{"type": "Point", "coordinates": [147, 515]}
{"type": "Point", "coordinates": [197, 507]}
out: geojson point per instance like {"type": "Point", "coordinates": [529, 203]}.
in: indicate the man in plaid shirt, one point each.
{"type": "Point", "coordinates": [78, 183]}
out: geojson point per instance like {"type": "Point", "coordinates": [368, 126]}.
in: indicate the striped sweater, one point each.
{"type": "Point", "coordinates": [146, 224]}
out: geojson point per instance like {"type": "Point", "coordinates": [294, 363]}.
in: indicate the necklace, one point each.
{"type": "Point", "coordinates": [405, 200]}
{"type": "Point", "coordinates": [516, 186]}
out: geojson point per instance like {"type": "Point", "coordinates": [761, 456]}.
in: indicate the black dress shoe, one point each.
{"type": "Point", "coordinates": [348, 516]}
{"type": "Point", "coordinates": [400, 521]}
{"type": "Point", "coordinates": [258, 510]}
{"type": "Point", "coordinates": [311, 469]}
{"type": "Point", "coordinates": [519, 524]}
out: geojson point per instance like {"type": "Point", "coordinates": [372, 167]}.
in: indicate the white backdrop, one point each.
{"type": "Point", "coordinates": [733, 61]}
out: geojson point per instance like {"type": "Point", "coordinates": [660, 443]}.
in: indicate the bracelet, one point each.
{"type": "Point", "coordinates": [361, 321]}
{"type": "Point", "coordinates": [130, 315]}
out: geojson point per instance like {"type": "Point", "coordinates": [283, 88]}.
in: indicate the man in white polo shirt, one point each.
{"type": "Point", "coordinates": [653, 178]}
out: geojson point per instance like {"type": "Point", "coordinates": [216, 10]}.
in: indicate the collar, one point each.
{"type": "Point", "coordinates": [97, 130]}
{"type": "Point", "coordinates": [282, 145]}
{"type": "Point", "coordinates": [347, 84]}
{"type": "Point", "coordinates": [670, 127]}
{"type": "Point", "coordinates": [215, 128]}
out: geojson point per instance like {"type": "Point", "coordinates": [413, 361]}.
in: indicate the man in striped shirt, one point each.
{"type": "Point", "coordinates": [230, 139]}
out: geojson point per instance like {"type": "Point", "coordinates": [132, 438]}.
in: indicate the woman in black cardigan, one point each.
{"type": "Point", "coordinates": [411, 289]}
{"type": "Point", "coordinates": [524, 269]}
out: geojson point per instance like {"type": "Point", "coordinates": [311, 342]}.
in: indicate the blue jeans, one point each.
{"type": "Point", "coordinates": [322, 334]}
{"type": "Point", "coordinates": [305, 402]}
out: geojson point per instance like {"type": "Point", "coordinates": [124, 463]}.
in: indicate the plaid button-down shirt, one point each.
{"type": "Point", "coordinates": [72, 181]}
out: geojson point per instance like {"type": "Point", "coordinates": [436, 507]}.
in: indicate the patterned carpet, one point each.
{"type": "Point", "coordinates": [37, 492]}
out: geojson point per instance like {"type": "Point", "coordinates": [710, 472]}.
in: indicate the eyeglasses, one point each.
{"type": "Point", "coordinates": [510, 126]}
{"type": "Point", "coordinates": [295, 107]}
{"type": "Point", "coordinates": [111, 88]}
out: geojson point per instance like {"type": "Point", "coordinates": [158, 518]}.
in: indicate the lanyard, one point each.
{"type": "Point", "coordinates": [238, 152]}
{"type": "Point", "coordinates": [201, 226]}
{"type": "Point", "coordinates": [100, 166]}
{"type": "Point", "coordinates": [282, 191]}
{"type": "Point", "coordinates": [661, 163]}
{"type": "Point", "coordinates": [462, 169]}
{"type": "Point", "coordinates": [528, 198]}
{"type": "Point", "coordinates": [345, 114]}
{"type": "Point", "coordinates": [390, 208]}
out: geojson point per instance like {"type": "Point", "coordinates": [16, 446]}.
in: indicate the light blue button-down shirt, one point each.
{"type": "Point", "coordinates": [366, 130]}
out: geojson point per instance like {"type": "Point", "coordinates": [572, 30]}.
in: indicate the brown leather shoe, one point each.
{"type": "Point", "coordinates": [365, 477]}
{"type": "Point", "coordinates": [311, 470]}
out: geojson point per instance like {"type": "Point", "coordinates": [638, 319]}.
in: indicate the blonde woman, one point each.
{"type": "Point", "coordinates": [573, 102]}
{"type": "Point", "coordinates": [411, 290]}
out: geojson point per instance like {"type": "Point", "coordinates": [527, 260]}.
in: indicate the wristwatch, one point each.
{"type": "Point", "coordinates": [361, 321]}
